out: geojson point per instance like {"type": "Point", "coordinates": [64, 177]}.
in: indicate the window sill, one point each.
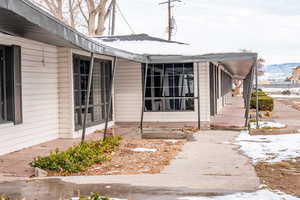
{"type": "Point", "coordinates": [6, 124]}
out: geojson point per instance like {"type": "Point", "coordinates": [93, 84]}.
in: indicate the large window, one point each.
{"type": "Point", "coordinates": [99, 97]}
{"type": "Point", "coordinates": [169, 87]}
{"type": "Point", "coordinates": [10, 84]}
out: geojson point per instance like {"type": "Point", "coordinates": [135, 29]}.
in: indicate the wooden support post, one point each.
{"type": "Point", "coordinates": [248, 96]}
{"type": "Point", "coordinates": [108, 111]}
{"type": "Point", "coordinates": [87, 97]}
{"type": "Point", "coordinates": [198, 91]}
{"type": "Point", "coordinates": [257, 106]}
{"type": "Point", "coordinates": [143, 98]}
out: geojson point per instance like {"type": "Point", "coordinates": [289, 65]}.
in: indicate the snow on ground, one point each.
{"type": "Point", "coordinates": [144, 150]}
{"type": "Point", "coordinates": [258, 195]}
{"type": "Point", "coordinates": [269, 148]}
{"type": "Point", "coordinates": [293, 90]}
{"type": "Point", "coordinates": [262, 124]}
{"type": "Point", "coordinates": [284, 96]}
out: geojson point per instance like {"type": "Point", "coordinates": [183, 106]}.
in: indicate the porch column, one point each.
{"type": "Point", "coordinates": [143, 98]}
{"type": "Point", "coordinates": [198, 91]}
{"type": "Point", "coordinates": [108, 112]}
{"type": "Point", "coordinates": [248, 95]}
{"type": "Point", "coordinates": [87, 99]}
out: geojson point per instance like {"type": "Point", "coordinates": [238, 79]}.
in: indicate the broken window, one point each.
{"type": "Point", "coordinates": [169, 87]}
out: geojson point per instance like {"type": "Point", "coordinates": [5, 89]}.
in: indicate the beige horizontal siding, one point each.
{"type": "Point", "coordinates": [128, 96]}
{"type": "Point", "coordinates": [39, 96]}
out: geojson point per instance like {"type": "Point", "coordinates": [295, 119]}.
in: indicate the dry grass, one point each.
{"type": "Point", "coordinates": [283, 176]}
{"type": "Point", "coordinates": [125, 161]}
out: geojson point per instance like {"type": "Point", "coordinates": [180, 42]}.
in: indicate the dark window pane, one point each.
{"type": "Point", "coordinates": [158, 92]}
{"type": "Point", "coordinates": [157, 81]}
{"type": "Point", "coordinates": [169, 104]}
{"type": "Point", "coordinates": [168, 92]}
{"type": "Point", "coordinates": [148, 92]}
{"type": "Point", "coordinates": [158, 70]}
{"type": "Point", "coordinates": [189, 103]}
{"type": "Point", "coordinates": [148, 105]}
{"type": "Point", "coordinates": [76, 82]}
{"type": "Point", "coordinates": [169, 70]}
{"type": "Point", "coordinates": [178, 69]}
{"type": "Point", "coordinates": [188, 69]}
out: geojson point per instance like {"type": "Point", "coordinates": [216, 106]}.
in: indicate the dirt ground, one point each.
{"type": "Point", "coordinates": [293, 102]}
{"type": "Point", "coordinates": [283, 176]}
{"type": "Point", "coordinates": [125, 161]}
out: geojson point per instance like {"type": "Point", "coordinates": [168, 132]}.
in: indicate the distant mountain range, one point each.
{"type": "Point", "coordinates": [278, 71]}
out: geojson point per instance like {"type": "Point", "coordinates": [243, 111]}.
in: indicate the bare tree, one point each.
{"type": "Point", "coordinates": [90, 14]}
{"type": "Point", "coordinates": [95, 14]}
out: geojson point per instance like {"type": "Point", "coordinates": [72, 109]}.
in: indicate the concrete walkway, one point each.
{"type": "Point", "coordinates": [285, 113]}
{"type": "Point", "coordinates": [210, 163]}
{"type": "Point", "coordinates": [231, 117]}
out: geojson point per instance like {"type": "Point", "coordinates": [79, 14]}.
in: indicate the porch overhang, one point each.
{"type": "Point", "coordinates": [238, 64]}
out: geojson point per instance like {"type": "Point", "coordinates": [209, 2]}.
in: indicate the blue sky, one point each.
{"type": "Point", "coordinates": [269, 27]}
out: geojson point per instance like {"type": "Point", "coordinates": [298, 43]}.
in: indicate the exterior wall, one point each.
{"type": "Point", "coordinates": [39, 96]}
{"type": "Point", "coordinates": [128, 96]}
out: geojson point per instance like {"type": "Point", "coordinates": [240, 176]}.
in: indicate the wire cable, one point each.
{"type": "Point", "coordinates": [122, 15]}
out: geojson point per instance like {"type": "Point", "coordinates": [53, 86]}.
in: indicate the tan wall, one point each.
{"type": "Point", "coordinates": [39, 96]}
{"type": "Point", "coordinates": [128, 96]}
{"type": "Point", "coordinates": [296, 75]}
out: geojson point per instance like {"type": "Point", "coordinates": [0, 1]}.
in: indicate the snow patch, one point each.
{"type": "Point", "coordinates": [269, 148]}
{"type": "Point", "coordinates": [258, 195]}
{"type": "Point", "coordinates": [264, 124]}
{"type": "Point", "coordinates": [284, 96]}
{"type": "Point", "coordinates": [144, 150]}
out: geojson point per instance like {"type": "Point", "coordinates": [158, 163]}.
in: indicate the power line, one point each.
{"type": "Point", "coordinates": [122, 15]}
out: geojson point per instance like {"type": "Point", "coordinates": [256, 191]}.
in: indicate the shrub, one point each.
{"type": "Point", "coordinates": [286, 92]}
{"type": "Point", "coordinates": [79, 157]}
{"type": "Point", "coordinates": [265, 103]}
{"type": "Point", "coordinates": [260, 93]}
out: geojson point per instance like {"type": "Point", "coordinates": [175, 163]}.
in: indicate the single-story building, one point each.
{"type": "Point", "coordinates": [45, 68]}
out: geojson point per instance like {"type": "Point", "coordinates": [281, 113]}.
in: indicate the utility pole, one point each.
{"type": "Point", "coordinates": [112, 17]}
{"type": "Point", "coordinates": [113, 23]}
{"type": "Point", "coordinates": [170, 25]}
